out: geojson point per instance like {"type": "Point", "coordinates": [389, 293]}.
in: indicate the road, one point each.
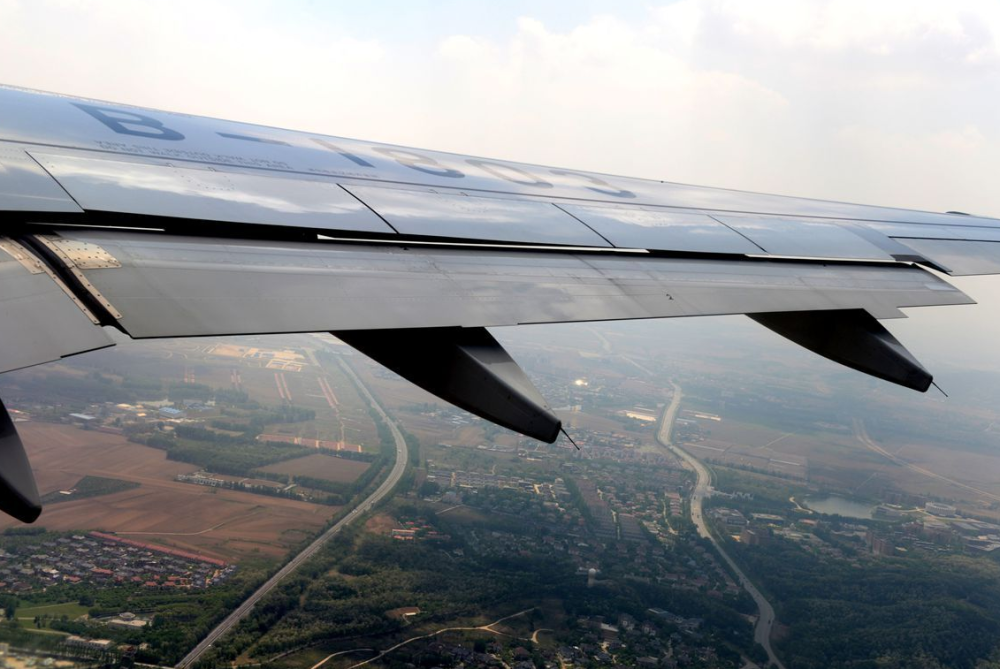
{"type": "Point", "coordinates": [484, 628]}
{"type": "Point", "coordinates": [765, 616]}
{"type": "Point", "coordinates": [246, 607]}
{"type": "Point", "coordinates": [862, 434]}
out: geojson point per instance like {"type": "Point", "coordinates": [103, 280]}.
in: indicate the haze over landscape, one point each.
{"type": "Point", "coordinates": [232, 453]}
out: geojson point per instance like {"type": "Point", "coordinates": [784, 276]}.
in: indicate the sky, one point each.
{"type": "Point", "coordinates": [895, 102]}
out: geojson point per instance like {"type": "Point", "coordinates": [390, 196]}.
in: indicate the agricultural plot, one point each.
{"type": "Point", "coordinates": [89, 486]}
{"type": "Point", "coordinates": [328, 467]}
{"type": "Point", "coordinates": [225, 524]}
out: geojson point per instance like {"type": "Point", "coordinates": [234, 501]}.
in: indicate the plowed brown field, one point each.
{"type": "Point", "coordinates": [219, 523]}
{"type": "Point", "coordinates": [321, 467]}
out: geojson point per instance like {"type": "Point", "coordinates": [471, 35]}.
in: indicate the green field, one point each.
{"type": "Point", "coordinates": [90, 486]}
{"type": "Point", "coordinates": [72, 610]}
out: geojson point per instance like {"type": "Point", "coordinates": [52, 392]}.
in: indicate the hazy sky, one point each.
{"type": "Point", "coordinates": [893, 102]}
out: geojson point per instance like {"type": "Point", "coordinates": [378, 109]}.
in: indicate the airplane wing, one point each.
{"type": "Point", "coordinates": [159, 224]}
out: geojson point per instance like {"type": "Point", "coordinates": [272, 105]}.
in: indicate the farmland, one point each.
{"type": "Point", "coordinates": [225, 393]}
{"type": "Point", "coordinates": [225, 524]}
{"type": "Point", "coordinates": [89, 486]}
{"type": "Point", "coordinates": [339, 470]}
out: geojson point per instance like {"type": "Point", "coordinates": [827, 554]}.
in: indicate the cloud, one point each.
{"type": "Point", "coordinates": [841, 99]}
{"type": "Point", "coordinates": [891, 34]}
{"type": "Point", "coordinates": [249, 59]}
{"type": "Point", "coordinates": [844, 100]}
{"type": "Point", "coordinates": [889, 102]}
{"type": "Point", "coordinates": [605, 96]}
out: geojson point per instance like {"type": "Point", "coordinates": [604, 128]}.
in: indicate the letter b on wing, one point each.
{"type": "Point", "coordinates": [130, 123]}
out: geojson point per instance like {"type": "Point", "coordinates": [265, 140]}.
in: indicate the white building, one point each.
{"type": "Point", "coordinates": [942, 510]}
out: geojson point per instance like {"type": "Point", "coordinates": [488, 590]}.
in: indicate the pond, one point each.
{"type": "Point", "coordinates": [840, 506]}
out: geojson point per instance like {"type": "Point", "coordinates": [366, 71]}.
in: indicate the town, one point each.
{"type": "Point", "coordinates": [100, 559]}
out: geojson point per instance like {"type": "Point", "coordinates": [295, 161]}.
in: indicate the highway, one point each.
{"type": "Point", "coordinates": [862, 434]}
{"type": "Point", "coordinates": [765, 616]}
{"type": "Point", "coordinates": [243, 609]}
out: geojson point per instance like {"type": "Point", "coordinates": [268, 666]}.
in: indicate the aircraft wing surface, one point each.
{"type": "Point", "coordinates": [159, 224]}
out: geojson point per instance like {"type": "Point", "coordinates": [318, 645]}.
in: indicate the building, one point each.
{"type": "Point", "coordinates": [731, 519]}
{"type": "Point", "coordinates": [942, 510]}
{"type": "Point", "coordinates": [641, 416]}
{"type": "Point", "coordinates": [754, 536]}
{"type": "Point", "coordinates": [171, 413]}
{"type": "Point", "coordinates": [882, 546]}
{"type": "Point", "coordinates": [404, 535]}
{"type": "Point", "coordinates": [889, 512]}
{"type": "Point", "coordinates": [404, 612]}
{"type": "Point", "coordinates": [81, 643]}
{"type": "Point", "coordinates": [608, 632]}
{"type": "Point", "coordinates": [631, 530]}
{"type": "Point", "coordinates": [879, 545]}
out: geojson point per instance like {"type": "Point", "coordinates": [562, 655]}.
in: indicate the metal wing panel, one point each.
{"type": "Point", "coordinates": [919, 231]}
{"type": "Point", "coordinates": [663, 229]}
{"type": "Point", "coordinates": [803, 238]}
{"type": "Point", "coordinates": [148, 188]}
{"type": "Point", "coordinates": [450, 216]}
{"type": "Point", "coordinates": [39, 321]}
{"type": "Point", "coordinates": [176, 286]}
{"type": "Point", "coordinates": [960, 257]}
{"type": "Point", "coordinates": [24, 185]}
{"type": "Point", "coordinates": [959, 250]}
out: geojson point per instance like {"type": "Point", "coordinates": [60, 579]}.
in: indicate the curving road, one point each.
{"type": "Point", "coordinates": [390, 482]}
{"type": "Point", "coordinates": [862, 434]}
{"type": "Point", "coordinates": [765, 616]}
{"type": "Point", "coordinates": [485, 628]}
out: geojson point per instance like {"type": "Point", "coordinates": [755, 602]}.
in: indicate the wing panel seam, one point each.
{"type": "Point", "coordinates": [51, 242]}
{"type": "Point", "coordinates": [36, 265]}
{"type": "Point", "coordinates": [720, 221]}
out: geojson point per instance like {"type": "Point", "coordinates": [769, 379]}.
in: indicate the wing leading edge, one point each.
{"type": "Point", "coordinates": [409, 255]}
